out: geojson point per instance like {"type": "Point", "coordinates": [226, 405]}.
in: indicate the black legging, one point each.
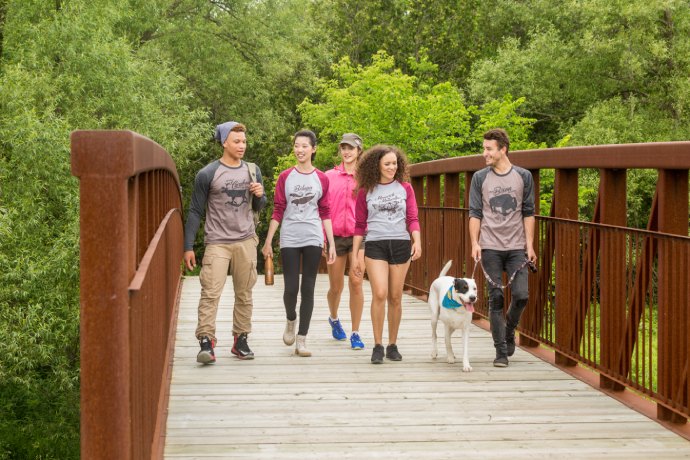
{"type": "Point", "coordinates": [310, 257]}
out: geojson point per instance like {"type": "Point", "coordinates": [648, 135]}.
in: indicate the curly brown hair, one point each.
{"type": "Point", "coordinates": [368, 172]}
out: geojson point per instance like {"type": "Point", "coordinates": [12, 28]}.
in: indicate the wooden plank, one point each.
{"type": "Point", "coordinates": [337, 404]}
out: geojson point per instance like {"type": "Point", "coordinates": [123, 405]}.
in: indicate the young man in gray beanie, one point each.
{"type": "Point", "coordinates": [227, 192]}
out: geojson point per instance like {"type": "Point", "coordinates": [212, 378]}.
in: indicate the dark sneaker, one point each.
{"type": "Point", "coordinates": [392, 352]}
{"type": "Point", "coordinates": [377, 355]}
{"type": "Point", "coordinates": [501, 361]}
{"type": "Point", "coordinates": [206, 355]}
{"type": "Point", "coordinates": [240, 347]}
{"type": "Point", "coordinates": [510, 343]}
{"type": "Point", "coordinates": [337, 329]}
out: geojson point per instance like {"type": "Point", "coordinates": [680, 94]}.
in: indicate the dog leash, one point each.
{"type": "Point", "coordinates": [526, 263]}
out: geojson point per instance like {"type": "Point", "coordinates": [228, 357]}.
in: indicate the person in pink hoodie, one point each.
{"type": "Point", "coordinates": [342, 194]}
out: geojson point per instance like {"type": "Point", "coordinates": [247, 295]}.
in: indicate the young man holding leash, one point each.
{"type": "Point", "coordinates": [502, 232]}
{"type": "Point", "coordinates": [228, 191]}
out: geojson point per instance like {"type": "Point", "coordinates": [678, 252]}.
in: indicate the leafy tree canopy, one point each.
{"type": "Point", "coordinates": [429, 120]}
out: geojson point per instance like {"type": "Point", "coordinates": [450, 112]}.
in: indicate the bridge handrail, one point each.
{"type": "Point", "coordinates": [131, 240]}
{"type": "Point", "coordinates": [621, 280]}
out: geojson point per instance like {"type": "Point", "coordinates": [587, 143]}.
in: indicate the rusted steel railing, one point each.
{"type": "Point", "coordinates": [131, 236]}
{"type": "Point", "coordinates": [613, 298]}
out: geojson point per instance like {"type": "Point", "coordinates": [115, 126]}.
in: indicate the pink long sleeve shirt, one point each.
{"type": "Point", "coordinates": [341, 198]}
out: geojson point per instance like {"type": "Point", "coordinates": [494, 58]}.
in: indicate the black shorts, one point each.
{"type": "Point", "coordinates": [394, 252]}
{"type": "Point", "coordinates": [343, 245]}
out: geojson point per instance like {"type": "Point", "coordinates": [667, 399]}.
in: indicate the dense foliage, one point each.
{"type": "Point", "coordinates": [429, 75]}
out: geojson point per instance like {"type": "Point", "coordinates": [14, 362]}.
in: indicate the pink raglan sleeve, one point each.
{"type": "Point", "coordinates": [361, 213]}
{"type": "Point", "coordinates": [279, 200]}
{"type": "Point", "coordinates": [411, 205]}
{"type": "Point", "coordinates": [324, 205]}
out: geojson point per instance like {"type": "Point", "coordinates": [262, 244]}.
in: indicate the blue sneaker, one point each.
{"type": "Point", "coordinates": [355, 342]}
{"type": "Point", "coordinates": [338, 332]}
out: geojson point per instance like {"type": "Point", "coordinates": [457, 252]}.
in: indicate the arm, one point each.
{"type": "Point", "coordinates": [416, 245]}
{"type": "Point", "coordinates": [324, 201]}
{"type": "Point", "coordinates": [361, 213]}
{"type": "Point", "coordinates": [476, 216]}
{"type": "Point", "coordinates": [475, 224]}
{"type": "Point", "coordinates": [528, 218]}
{"type": "Point", "coordinates": [257, 189]}
{"type": "Point", "coordinates": [267, 249]}
{"type": "Point", "coordinates": [327, 225]}
{"type": "Point", "coordinates": [197, 210]}
{"type": "Point", "coordinates": [413, 222]}
{"type": "Point", "coordinates": [279, 205]}
{"type": "Point", "coordinates": [357, 267]}
{"type": "Point", "coordinates": [279, 199]}
{"type": "Point", "coordinates": [529, 223]}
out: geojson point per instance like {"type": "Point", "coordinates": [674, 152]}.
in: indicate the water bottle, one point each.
{"type": "Point", "coordinates": [268, 271]}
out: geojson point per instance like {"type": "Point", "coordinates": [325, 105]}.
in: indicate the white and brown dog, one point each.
{"type": "Point", "coordinates": [452, 301]}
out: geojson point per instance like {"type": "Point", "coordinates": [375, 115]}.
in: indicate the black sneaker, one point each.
{"type": "Point", "coordinates": [240, 347]}
{"type": "Point", "coordinates": [510, 343]}
{"type": "Point", "coordinates": [377, 355]}
{"type": "Point", "coordinates": [206, 355]}
{"type": "Point", "coordinates": [392, 352]}
{"type": "Point", "coordinates": [501, 361]}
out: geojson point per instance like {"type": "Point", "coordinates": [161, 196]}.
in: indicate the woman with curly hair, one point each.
{"type": "Point", "coordinates": [386, 211]}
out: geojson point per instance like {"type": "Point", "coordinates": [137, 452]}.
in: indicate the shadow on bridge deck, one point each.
{"type": "Point", "coordinates": [336, 404]}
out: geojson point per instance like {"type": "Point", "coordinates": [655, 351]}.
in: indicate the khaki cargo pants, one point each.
{"type": "Point", "coordinates": [238, 260]}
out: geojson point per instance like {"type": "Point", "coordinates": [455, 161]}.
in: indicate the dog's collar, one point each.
{"type": "Point", "coordinates": [449, 301]}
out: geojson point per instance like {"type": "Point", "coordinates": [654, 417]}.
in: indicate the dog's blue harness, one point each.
{"type": "Point", "coordinates": [449, 301]}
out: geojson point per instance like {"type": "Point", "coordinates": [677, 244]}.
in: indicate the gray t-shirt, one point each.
{"type": "Point", "coordinates": [300, 204]}
{"type": "Point", "coordinates": [501, 202]}
{"type": "Point", "coordinates": [221, 193]}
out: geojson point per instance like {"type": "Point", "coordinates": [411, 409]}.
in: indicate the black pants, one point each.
{"type": "Point", "coordinates": [309, 256]}
{"type": "Point", "coordinates": [495, 263]}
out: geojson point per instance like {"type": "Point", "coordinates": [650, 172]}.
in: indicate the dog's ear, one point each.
{"type": "Point", "coordinates": [461, 285]}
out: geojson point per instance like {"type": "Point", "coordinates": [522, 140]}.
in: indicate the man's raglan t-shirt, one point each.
{"type": "Point", "coordinates": [300, 204]}
{"type": "Point", "coordinates": [502, 201]}
{"type": "Point", "coordinates": [388, 212]}
{"type": "Point", "coordinates": [221, 193]}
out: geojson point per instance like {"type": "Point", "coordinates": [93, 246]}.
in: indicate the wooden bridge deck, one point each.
{"type": "Point", "coordinates": [338, 405]}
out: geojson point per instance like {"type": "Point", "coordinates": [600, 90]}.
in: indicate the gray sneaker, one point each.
{"type": "Point", "coordinates": [392, 352]}
{"type": "Point", "coordinates": [377, 355]}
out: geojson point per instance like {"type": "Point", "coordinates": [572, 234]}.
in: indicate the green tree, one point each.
{"type": "Point", "coordinates": [429, 120]}
{"type": "Point", "coordinates": [63, 68]}
{"type": "Point", "coordinates": [600, 71]}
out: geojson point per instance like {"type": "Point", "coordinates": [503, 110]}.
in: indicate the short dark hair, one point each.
{"type": "Point", "coordinates": [500, 136]}
{"type": "Point", "coordinates": [239, 128]}
{"type": "Point", "coordinates": [309, 135]}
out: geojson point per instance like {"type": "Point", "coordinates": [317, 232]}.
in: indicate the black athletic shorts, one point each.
{"type": "Point", "coordinates": [394, 252]}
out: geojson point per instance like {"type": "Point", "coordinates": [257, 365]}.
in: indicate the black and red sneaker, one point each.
{"type": "Point", "coordinates": [206, 355]}
{"type": "Point", "coordinates": [240, 347]}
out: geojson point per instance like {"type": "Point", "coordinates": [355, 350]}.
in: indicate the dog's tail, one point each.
{"type": "Point", "coordinates": [445, 268]}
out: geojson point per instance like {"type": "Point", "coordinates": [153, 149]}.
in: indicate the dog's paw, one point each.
{"type": "Point", "coordinates": [434, 354]}
{"type": "Point", "coordinates": [450, 359]}
{"type": "Point", "coordinates": [466, 368]}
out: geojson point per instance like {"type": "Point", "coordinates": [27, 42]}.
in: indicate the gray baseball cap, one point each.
{"type": "Point", "coordinates": [351, 139]}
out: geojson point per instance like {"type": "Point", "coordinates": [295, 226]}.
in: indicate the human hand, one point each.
{"type": "Point", "coordinates": [476, 252]}
{"type": "Point", "coordinates": [357, 269]}
{"type": "Point", "coordinates": [257, 189]}
{"type": "Point", "coordinates": [331, 255]}
{"type": "Point", "coordinates": [190, 260]}
{"type": "Point", "coordinates": [416, 250]}
{"type": "Point", "coordinates": [267, 250]}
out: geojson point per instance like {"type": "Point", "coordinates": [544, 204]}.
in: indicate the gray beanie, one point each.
{"type": "Point", "coordinates": [223, 130]}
